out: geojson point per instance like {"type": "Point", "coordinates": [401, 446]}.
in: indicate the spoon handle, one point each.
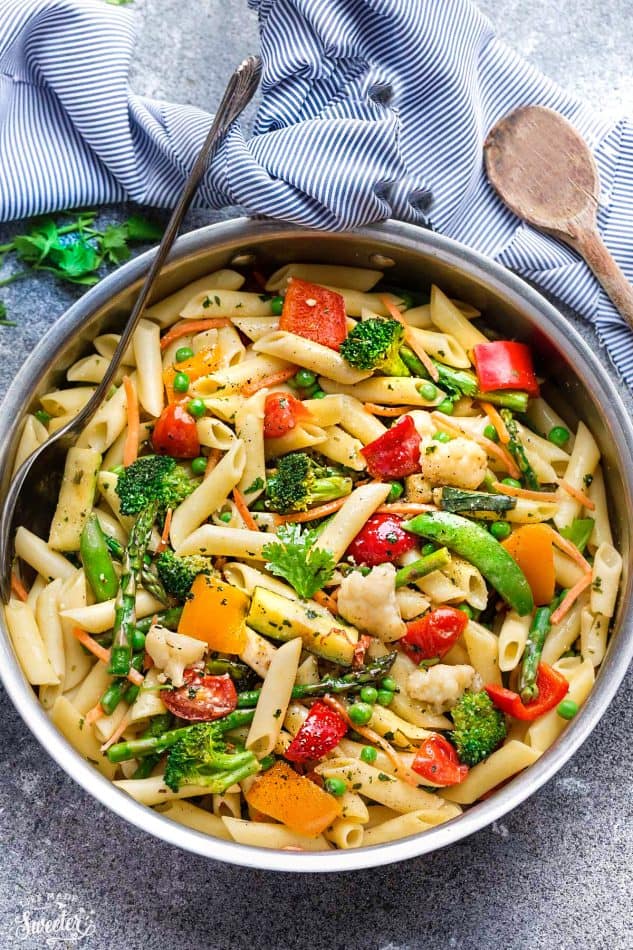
{"type": "Point", "coordinates": [597, 255]}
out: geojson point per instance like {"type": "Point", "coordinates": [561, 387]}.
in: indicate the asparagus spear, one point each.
{"type": "Point", "coordinates": [539, 629]}
{"type": "Point", "coordinates": [153, 745]}
{"type": "Point", "coordinates": [463, 382]}
{"type": "Point", "coordinates": [423, 566]}
{"type": "Point", "coordinates": [148, 578]}
{"type": "Point", "coordinates": [125, 606]}
{"type": "Point", "coordinates": [517, 450]}
{"type": "Point", "coordinates": [350, 683]}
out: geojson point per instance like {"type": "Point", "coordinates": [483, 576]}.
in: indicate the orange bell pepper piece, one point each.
{"type": "Point", "coordinates": [293, 800]}
{"type": "Point", "coordinates": [200, 364]}
{"type": "Point", "coordinates": [531, 547]}
{"type": "Point", "coordinates": [215, 613]}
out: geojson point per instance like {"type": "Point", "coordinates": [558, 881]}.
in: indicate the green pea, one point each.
{"type": "Point", "coordinates": [42, 416]}
{"type": "Point", "coordinates": [225, 517]}
{"type": "Point", "coordinates": [567, 709]}
{"type": "Point", "coordinates": [276, 306]}
{"type": "Point", "coordinates": [183, 353]}
{"type": "Point", "coordinates": [512, 482]}
{"type": "Point", "coordinates": [318, 394]}
{"type": "Point", "coordinates": [559, 435]}
{"type": "Point", "coordinates": [389, 684]}
{"type": "Point", "coordinates": [466, 608]}
{"type": "Point", "coordinates": [304, 379]}
{"type": "Point", "coordinates": [446, 406]}
{"type": "Point", "coordinates": [427, 549]}
{"type": "Point", "coordinates": [385, 697]}
{"type": "Point", "coordinates": [500, 530]}
{"type": "Point", "coordinates": [428, 391]}
{"type": "Point", "coordinates": [181, 383]}
{"type": "Point", "coordinates": [199, 465]}
{"type": "Point", "coordinates": [335, 786]}
{"type": "Point", "coordinates": [491, 433]}
{"type": "Point", "coordinates": [368, 754]}
{"type": "Point", "coordinates": [369, 694]}
{"type": "Point", "coordinates": [360, 713]}
{"type": "Point", "coordinates": [442, 437]}
{"type": "Point", "coordinates": [196, 408]}
{"type": "Point", "coordinates": [396, 491]}
{"type": "Point", "coordinates": [138, 640]}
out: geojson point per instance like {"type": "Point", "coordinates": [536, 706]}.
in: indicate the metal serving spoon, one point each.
{"type": "Point", "coordinates": [43, 469]}
{"type": "Point", "coordinates": [542, 168]}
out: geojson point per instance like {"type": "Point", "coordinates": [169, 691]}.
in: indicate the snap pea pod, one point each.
{"type": "Point", "coordinates": [125, 606]}
{"type": "Point", "coordinates": [423, 566]}
{"type": "Point", "coordinates": [169, 618]}
{"type": "Point", "coordinates": [97, 560]}
{"type": "Point", "coordinates": [477, 545]}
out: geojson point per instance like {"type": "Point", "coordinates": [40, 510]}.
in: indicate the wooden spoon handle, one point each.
{"type": "Point", "coordinates": [590, 245]}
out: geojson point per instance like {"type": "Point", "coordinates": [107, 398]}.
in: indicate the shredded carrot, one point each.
{"type": "Point", "coordinates": [192, 326]}
{"type": "Point", "coordinates": [213, 458]}
{"type": "Point", "coordinates": [496, 421]}
{"type": "Point", "coordinates": [118, 732]}
{"type": "Point", "coordinates": [164, 538]}
{"type": "Point", "coordinates": [571, 596]}
{"type": "Point", "coordinates": [323, 600]}
{"type": "Point", "coordinates": [525, 492]}
{"type": "Point", "coordinates": [405, 508]}
{"type": "Point", "coordinates": [130, 449]}
{"type": "Point", "coordinates": [94, 714]}
{"type": "Point", "coordinates": [102, 654]}
{"type": "Point", "coordinates": [275, 379]}
{"type": "Point", "coordinates": [242, 508]}
{"type": "Point", "coordinates": [375, 410]}
{"type": "Point", "coordinates": [419, 351]}
{"type": "Point", "coordinates": [313, 513]}
{"type": "Point", "coordinates": [576, 493]}
{"type": "Point", "coordinates": [18, 588]}
{"type": "Point", "coordinates": [570, 549]}
{"type": "Point", "coordinates": [373, 737]}
{"type": "Point", "coordinates": [496, 451]}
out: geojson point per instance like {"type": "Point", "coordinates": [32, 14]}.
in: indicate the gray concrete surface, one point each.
{"type": "Point", "coordinates": [554, 874]}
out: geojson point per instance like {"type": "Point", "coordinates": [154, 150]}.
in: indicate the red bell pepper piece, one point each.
{"type": "Point", "coordinates": [321, 732]}
{"type": "Point", "coordinates": [436, 760]}
{"type": "Point", "coordinates": [505, 364]}
{"type": "Point", "coordinates": [381, 539]}
{"type": "Point", "coordinates": [175, 433]}
{"type": "Point", "coordinates": [282, 411]}
{"type": "Point", "coordinates": [552, 688]}
{"type": "Point", "coordinates": [396, 453]}
{"type": "Point", "coordinates": [433, 634]}
{"type": "Point", "coordinates": [315, 313]}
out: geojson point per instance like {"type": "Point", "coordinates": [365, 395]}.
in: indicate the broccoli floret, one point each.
{"type": "Point", "coordinates": [153, 478]}
{"type": "Point", "coordinates": [178, 573]}
{"type": "Point", "coordinates": [201, 757]}
{"type": "Point", "coordinates": [299, 483]}
{"type": "Point", "coordinates": [375, 344]}
{"type": "Point", "coordinates": [478, 727]}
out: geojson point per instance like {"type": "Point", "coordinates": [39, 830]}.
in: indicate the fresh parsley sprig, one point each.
{"type": "Point", "coordinates": [74, 251]}
{"type": "Point", "coordinates": [294, 557]}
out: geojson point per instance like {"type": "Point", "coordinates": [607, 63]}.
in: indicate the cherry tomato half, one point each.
{"type": "Point", "coordinates": [433, 634]}
{"type": "Point", "coordinates": [282, 411]}
{"type": "Point", "coordinates": [175, 433]}
{"type": "Point", "coordinates": [202, 698]}
{"type": "Point", "coordinates": [436, 761]}
{"type": "Point", "coordinates": [381, 539]}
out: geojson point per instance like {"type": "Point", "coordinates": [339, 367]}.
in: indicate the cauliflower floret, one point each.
{"type": "Point", "coordinates": [172, 652]}
{"type": "Point", "coordinates": [460, 462]}
{"type": "Point", "coordinates": [370, 602]}
{"type": "Point", "coordinates": [441, 686]}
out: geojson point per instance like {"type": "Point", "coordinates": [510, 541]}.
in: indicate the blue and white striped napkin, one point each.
{"type": "Point", "coordinates": [371, 109]}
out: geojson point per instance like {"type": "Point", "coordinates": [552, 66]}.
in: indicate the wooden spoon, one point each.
{"type": "Point", "coordinates": [542, 168]}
